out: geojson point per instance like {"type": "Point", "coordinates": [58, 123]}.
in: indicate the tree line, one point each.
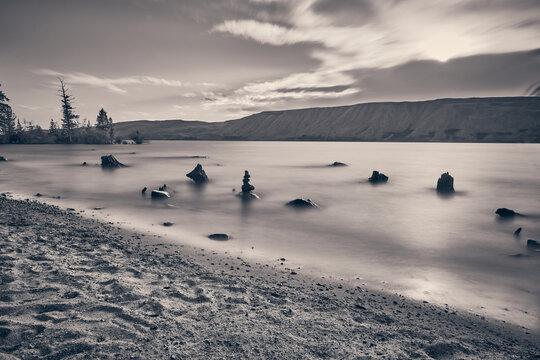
{"type": "Point", "coordinates": [68, 131]}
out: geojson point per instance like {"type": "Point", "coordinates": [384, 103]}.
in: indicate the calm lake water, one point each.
{"type": "Point", "coordinates": [398, 236]}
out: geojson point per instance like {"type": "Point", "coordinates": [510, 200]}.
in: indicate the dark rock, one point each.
{"type": "Point", "coordinates": [143, 191]}
{"type": "Point", "coordinates": [302, 204]}
{"type": "Point", "coordinates": [198, 175]}
{"type": "Point", "coordinates": [84, 164]}
{"type": "Point", "coordinates": [38, 195]}
{"type": "Point", "coordinates": [2, 158]}
{"type": "Point", "coordinates": [156, 194]}
{"type": "Point", "coordinates": [533, 244]}
{"type": "Point", "coordinates": [167, 223]}
{"type": "Point", "coordinates": [337, 163]}
{"type": "Point", "coordinates": [517, 232]}
{"type": "Point", "coordinates": [445, 184]}
{"type": "Point", "coordinates": [506, 213]}
{"type": "Point", "coordinates": [378, 178]}
{"type": "Point", "coordinates": [219, 237]}
{"type": "Point", "coordinates": [247, 188]}
{"type": "Point", "coordinates": [109, 161]}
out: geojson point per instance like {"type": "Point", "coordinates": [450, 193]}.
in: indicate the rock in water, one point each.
{"type": "Point", "coordinates": [2, 158]}
{"type": "Point", "coordinates": [143, 191]}
{"type": "Point", "coordinates": [109, 161]}
{"type": "Point", "coordinates": [158, 195]}
{"type": "Point", "coordinates": [247, 188]}
{"type": "Point", "coordinates": [517, 232]}
{"type": "Point", "coordinates": [533, 244]}
{"type": "Point", "coordinates": [377, 178]}
{"type": "Point", "coordinates": [337, 163]}
{"type": "Point", "coordinates": [506, 213]}
{"type": "Point", "coordinates": [198, 175]}
{"type": "Point", "coordinates": [445, 184]}
{"type": "Point", "coordinates": [168, 223]}
{"type": "Point", "coordinates": [219, 237]}
{"type": "Point", "coordinates": [302, 204]}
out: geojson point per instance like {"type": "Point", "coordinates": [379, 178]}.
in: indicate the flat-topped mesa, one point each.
{"type": "Point", "coordinates": [110, 162]}
{"type": "Point", "coordinates": [445, 184]}
{"type": "Point", "coordinates": [198, 175]}
{"type": "Point", "coordinates": [378, 178]}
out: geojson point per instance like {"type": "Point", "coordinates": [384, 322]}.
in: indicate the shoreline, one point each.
{"type": "Point", "coordinates": [78, 287]}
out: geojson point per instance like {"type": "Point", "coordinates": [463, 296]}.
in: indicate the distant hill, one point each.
{"type": "Point", "coordinates": [508, 119]}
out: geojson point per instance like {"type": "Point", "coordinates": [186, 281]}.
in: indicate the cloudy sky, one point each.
{"type": "Point", "coordinates": [222, 59]}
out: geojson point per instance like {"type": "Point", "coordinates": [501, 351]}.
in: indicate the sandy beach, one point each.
{"type": "Point", "coordinates": [73, 287]}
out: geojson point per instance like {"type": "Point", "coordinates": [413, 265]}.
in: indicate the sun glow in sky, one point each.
{"type": "Point", "coordinates": [222, 59]}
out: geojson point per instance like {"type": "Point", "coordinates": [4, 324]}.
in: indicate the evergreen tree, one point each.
{"type": "Point", "coordinates": [102, 122]}
{"type": "Point", "coordinates": [69, 118]}
{"type": "Point", "coordinates": [7, 119]}
{"type": "Point", "coordinates": [105, 123]}
{"type": "Point", "coordinates": [111, 130]}
{"type": "Point", "coordinates": [53, 128]}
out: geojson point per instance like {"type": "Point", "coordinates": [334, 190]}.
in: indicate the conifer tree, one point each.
{"type": "Point", "coordinates": [102, 121]}
{"type": "Point", "coordinates": [69, 118]}
{"type": "Point", "coordinates": [7, 119]}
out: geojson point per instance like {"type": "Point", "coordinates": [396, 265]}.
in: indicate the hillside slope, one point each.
{"type": "Point", "coordinates": [515, 119]}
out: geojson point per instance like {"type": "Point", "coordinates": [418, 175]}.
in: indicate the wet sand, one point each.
{"type": "Point", "coordinates": [73, 287]}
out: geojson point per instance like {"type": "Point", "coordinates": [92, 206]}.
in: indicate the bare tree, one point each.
{"type": "Point", "coordinates": [69, 118]}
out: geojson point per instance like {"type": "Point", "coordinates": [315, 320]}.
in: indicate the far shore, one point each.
{"type": "Point", "coordinates": [73, 287]}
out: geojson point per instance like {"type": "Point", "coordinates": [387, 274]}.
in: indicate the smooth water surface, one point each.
{"type": "Point", "coordinates": [399, 236]}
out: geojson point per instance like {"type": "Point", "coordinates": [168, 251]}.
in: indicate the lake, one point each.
{"type": "Point", "coordinates": [400, 236]}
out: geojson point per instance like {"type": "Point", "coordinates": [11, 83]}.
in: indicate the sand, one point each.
{"type": "Point", "coordinates": [73, 287]}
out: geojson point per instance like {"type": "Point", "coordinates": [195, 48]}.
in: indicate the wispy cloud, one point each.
{"type": "Point", "coordinates": [111, 84]}
{"type": "Point", "coordinates": [367, 34]}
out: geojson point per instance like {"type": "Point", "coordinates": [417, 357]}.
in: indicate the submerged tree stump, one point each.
{"type": "Point", "coordinates": [110, 162]}
{"type": "Point", "coordinates": [377, 177]}
{"type": "Point", "coordinates": [445, 184]}
{"type": "Point", "coordinates": [198, 175]}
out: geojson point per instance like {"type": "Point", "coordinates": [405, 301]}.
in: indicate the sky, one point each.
{"type": "Point", "coordinates": [216, 60]}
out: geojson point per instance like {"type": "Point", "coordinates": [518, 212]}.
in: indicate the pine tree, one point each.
{"type": "Point", "coordinates": [53, 128]}
{"type": "Point", "coordinates": [111, 130]}
{"type": "Point", "coordinates": [102, 121]}
{"type": "Point", "coordinates": [69, 118]}
{"type": "Point", "coordinates": [7, 119]}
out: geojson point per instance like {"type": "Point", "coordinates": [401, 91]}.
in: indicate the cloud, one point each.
{"type": "Point", "coordinates": [346, 12]}
{"type": "Point", "coordinates": [264, 33]}
{"type": "Point", "coordinates": [324, 89]}
{"type": "Point", "coordinates": [111, 84]}
{"type": "Point", "coordinates": [361, 44]}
